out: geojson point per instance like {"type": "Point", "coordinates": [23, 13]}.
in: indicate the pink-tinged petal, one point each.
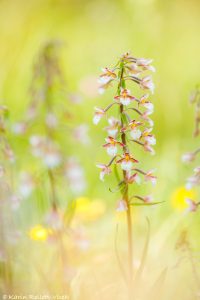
{"type": "Point", "coordinates": [192, 205]}
{"type": "Point", "coordinates": [150, 177]}
{"type": "Point", "coordinates": [105, 170]}
{"type": "Point", "coordinates": [133, 178]}
{"type": "Point", "coordinates": [192, 181]}
{"type": "Point", "coordinates": [188, 157]}
{"type": "Point", "coordinates": [137, 178]}
{"type": "Point", "coordinates": [148, 148]}
{"type": "Point", "coordinates": [99, 113]}
{"type": "Point", "coordinates": [151, 140]}
{"type": "Point", "coordinates": [120, 144]}
{"type": "Point", "coordinates": [148, 199]}
{"type": "Point", "coordinates": [143, 62]}
{"type": "Point", "coordinates": [149, 106]}
{"type": "Point", "coordinates": [116, 97]}
{"type": "Point", "coordinates": [134, 160]}
{"type": "Point", "coordinates": [106, 145]}
{"type": "Point", "coordinates": [101, 166]}
{"type": "Point", "coordinates": [121, 206]}
{"type": "Point", "coordinates": [123, 129]}
{"type": "Point", "coordinates": [147, 83]}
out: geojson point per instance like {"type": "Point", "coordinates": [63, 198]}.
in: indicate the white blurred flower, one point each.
{"type": "Point", "coordinates": [135, 134]}
{"type": "Point", "coordinates": [26, 184]}
{"type": "Point", "coordinates": [121, 206]}
{"type": "Point", "coordinates": [51, 120]}
{"type": "Point", "coordinates": [188, 157]}
{"type": "Point", "coordinates": [80, 134]}
{"type": "Point", "coordinates": [52, 158]}
{"type": "Point", "coordinates": [19, 128]}
{"type": "Point", "coordinates": [75, 176]}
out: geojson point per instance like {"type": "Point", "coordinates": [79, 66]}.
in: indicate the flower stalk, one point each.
{"type": "Point", "coordinates": [125, 196]}
{"type": "Point", "coordinates": [126, 129]}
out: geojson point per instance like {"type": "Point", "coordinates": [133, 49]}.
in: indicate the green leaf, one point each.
{"type": "Point", "coordinates": [116, 172]}
{"type": "Point", "coordinates": [145, 204]}
{"type": "Point", "coordinates": [118, 188]}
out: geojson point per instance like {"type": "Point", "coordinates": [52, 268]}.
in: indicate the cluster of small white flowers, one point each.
{"type": "Point", "coordinates": [134, 124]}
{"type": "Point", "coordinates": [189, 157]}
{"type": "Point", "coordinates": [75, 175]}
{"type": "Point", "coordinates": [47, 150]}
{"type": "Point", "coordinates": [43, 109]}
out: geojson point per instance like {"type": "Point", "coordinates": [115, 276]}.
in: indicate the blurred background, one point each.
{"type": "Point", "coordinates": [93, 34]}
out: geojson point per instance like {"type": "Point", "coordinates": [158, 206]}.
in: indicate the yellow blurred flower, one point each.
{"type": "Point", "coordinates": [89, 210]}
{"type": "Point", "coordinates": [39, 233]}
{"type": "Point", "coordinates": [179, 196]}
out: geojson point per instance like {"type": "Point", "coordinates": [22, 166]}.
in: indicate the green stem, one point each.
{"type": "Point", "coordinates": [126, 197]}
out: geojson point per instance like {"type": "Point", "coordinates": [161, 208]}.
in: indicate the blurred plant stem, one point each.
{"type": "Point", "coordinates": [48, 80]}
{"type": "Point", "coordinates": [48, 76]}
